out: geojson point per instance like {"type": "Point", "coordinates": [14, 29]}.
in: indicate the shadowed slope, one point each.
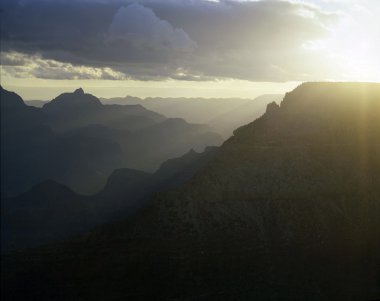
{"type": "Point", "coordinates": [51, 212]}
{"type": "Point", "coordinates": [287, 209]}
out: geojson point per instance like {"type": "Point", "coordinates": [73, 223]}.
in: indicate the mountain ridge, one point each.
{"type": "Point", "coordinates": [75, 100]}
{"type": "Point", "coordinates": [286, 209]}
{"type": "Point", "coordinates": [223, 115]}
{"type": "Point", "coordinates": [27, 218]}
{"type": "Point", "coordinates": [78, 141]}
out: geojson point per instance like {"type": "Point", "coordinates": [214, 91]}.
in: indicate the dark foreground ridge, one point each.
{"type": "Point", "coordinates": [288, 209]}
{"type": "Point", "coordinates": [51, 212]}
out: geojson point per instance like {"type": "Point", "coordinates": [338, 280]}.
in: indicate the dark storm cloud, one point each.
{"type": "Point", "coordinates": [190, 40]}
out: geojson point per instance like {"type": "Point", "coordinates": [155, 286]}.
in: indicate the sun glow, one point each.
{"type": "Point", "coordinates": [354, 47]}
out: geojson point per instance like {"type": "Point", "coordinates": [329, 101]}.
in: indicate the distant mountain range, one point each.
{"type": "Point", "coordinates": [287, 209]}
{"type": "Point", "coordinates": [36, 103]}
{"type": "Point", "coordinates": [51, 212]}
{"type": "Point", "coordinates": [223, 115]}
{"type": "Point", "coordinates": [75, 110]}
{"type": "Point", "coordinates": [77, 141]}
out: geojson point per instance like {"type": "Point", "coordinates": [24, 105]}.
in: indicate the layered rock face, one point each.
{"type": "Point", "coordinates": [288, 209]}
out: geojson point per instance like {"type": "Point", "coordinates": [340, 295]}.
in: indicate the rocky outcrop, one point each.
{"type": "Point", "coordinates": [272, 108]}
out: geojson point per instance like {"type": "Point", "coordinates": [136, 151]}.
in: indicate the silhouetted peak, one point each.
{"type": "Point", "coordinates": [10, 99]}
{"type": "Point", "coordinates": [178, 163]}
{"type": "Point", "coordinates": [272, 107]}
{"type": "Point", "coordinates": [187, 156]}
{"type": "Point", "coordinates": [50, 188]}
{"type": "Point", "coordinates": [127, 173]}
{"type": "Point", "coordinates": [210, 149]}
{"type": "Point", "coordinates": [79, 91]}
{"type": "Point", "coordinates": [133, 98]}
{"type": "Point", "coordinates": [50, 183]}
{"type": "Point", "coordinates": [77, 99]}
{"type": "Point", "coordinates": [191, 152]}
{"type": "Point", "coordinates": [173, 121]}
{"type": "Point", "coordinates": [123, 180]}
{"type": "Point", "coordinates": [123, 177]}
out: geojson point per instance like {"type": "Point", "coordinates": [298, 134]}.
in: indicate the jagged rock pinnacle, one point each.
{"type": "Point", "coordinates": [79, 91]}
{"type": "Point", "coordinates": [272, 107]}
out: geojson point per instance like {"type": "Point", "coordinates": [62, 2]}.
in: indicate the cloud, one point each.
{"type": "Point", "coordinates": [139, 27]}
{"type": "Point", "coordinates": [25, 66]}
{"type": "Point", "coordinates": [190, 40]}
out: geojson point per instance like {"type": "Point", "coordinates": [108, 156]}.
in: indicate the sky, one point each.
{"type": "Point", "coordinates": [193, 48]}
